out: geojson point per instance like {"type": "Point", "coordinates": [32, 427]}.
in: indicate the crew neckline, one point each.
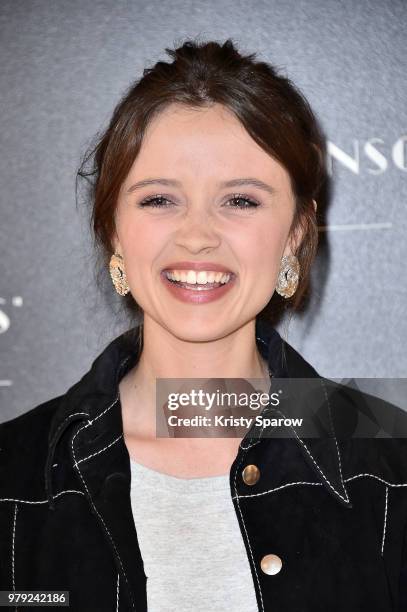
{"type": "Point", "coordinates": [161, 480]}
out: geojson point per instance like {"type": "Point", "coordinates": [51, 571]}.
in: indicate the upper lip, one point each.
{"type": "Point", "coordinates": [197, 265]}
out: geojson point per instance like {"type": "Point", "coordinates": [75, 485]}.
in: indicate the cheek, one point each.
{"type": "Point", "coordinates": [141, 242]}
{"type": "Point", "coordinates": [261, 247]}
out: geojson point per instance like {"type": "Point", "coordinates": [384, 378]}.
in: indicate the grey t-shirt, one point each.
{"type": "Point", "coordinates": [190, 541]}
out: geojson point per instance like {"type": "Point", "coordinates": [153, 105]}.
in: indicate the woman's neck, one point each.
{"type": "Point", "coordinates": [164, 356]}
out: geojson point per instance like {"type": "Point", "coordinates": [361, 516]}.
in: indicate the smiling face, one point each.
{"type": "Point", "coordinates": [194, 217]}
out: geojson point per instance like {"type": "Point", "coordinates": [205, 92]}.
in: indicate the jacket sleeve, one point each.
{"type": "Point", "coordinates": [402, 603]}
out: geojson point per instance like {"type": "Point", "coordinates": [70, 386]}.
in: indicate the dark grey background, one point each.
{"type": "Point", "coordinates": [64, 66]}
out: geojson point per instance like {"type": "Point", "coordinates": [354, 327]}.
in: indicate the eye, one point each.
{"type": "Point", "coordinates": [158, 201]}
{"type": "Point", "coordinates": [249, 203]}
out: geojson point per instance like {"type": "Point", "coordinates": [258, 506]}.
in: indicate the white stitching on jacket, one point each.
{"type": "Point", "coordinates": [101, 450]}
{"type": "Point", "coordinates": [318, 468]}
{"type": "Point", "coordinates": [250, 445]}
{"type": "Point", "coordinates": [385, 518]}
{"type": "Point", "coordinates": [389, 484]}
{"type": "Point", "coordinates": [336, 441]}
{"type": "Point", "coordinates": [244, 526]}
{"type": "Point", "coordinates": [86, 487]}
{"type": "Point", "coordinates": [316, 464]}
{"type": "Point", "coordinates": [27, 501]}
{"type": "Point", "coordinates": [67, 419]}
{"type": "Point", "coordinates": [117, 592]}
{"type": "Point", "coordinates": [108, 408]}
{"type": "Point", "coordinates": [289, 484]}
{"type": "Point", "coordinates": [12, 546]}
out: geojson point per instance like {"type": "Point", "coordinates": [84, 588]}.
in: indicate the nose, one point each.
{"type": "Point", "coordinates": [196, 232]}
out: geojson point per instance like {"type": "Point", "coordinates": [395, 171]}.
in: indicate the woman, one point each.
{"type": "Point", "coordinates": [204, 198]}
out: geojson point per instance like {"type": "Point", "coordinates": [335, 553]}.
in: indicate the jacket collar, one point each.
{"type": "Point", "coordinates": [97, 393]}
{"type": "Point", "coordinates": [321, 453]}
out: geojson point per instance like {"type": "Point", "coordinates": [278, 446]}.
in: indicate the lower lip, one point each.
{"type": "Point", "coordinates": [196, 296]}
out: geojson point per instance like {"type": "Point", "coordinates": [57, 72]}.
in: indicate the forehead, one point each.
{"type": "Point", "coordinates": [207, 142]}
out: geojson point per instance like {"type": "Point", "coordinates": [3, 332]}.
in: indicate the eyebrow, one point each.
{"type": "Point", "coordinates": [238, 182]}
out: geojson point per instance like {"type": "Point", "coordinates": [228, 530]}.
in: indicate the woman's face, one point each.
{"type": "Point", "coordinates": [188, 155]}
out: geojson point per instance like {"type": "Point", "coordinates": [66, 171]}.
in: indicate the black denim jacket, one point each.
{"type": "Point", "coordinates": [334, 511]}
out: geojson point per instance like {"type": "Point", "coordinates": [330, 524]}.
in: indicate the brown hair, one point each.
{"type": "Point", "coordinates": [270, 107]}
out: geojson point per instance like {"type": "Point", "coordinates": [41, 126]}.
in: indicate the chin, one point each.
{"type": "Point", "coordinates": [198, 329]}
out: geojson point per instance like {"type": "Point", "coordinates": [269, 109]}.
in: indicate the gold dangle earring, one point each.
{"type": "Point", "coordinates": [118, 274]}
{"type": "Point", "coordinates": [288, 275]}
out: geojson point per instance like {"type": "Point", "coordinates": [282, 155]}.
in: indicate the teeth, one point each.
{"type": "Point", "coordinates": [200, 278]}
